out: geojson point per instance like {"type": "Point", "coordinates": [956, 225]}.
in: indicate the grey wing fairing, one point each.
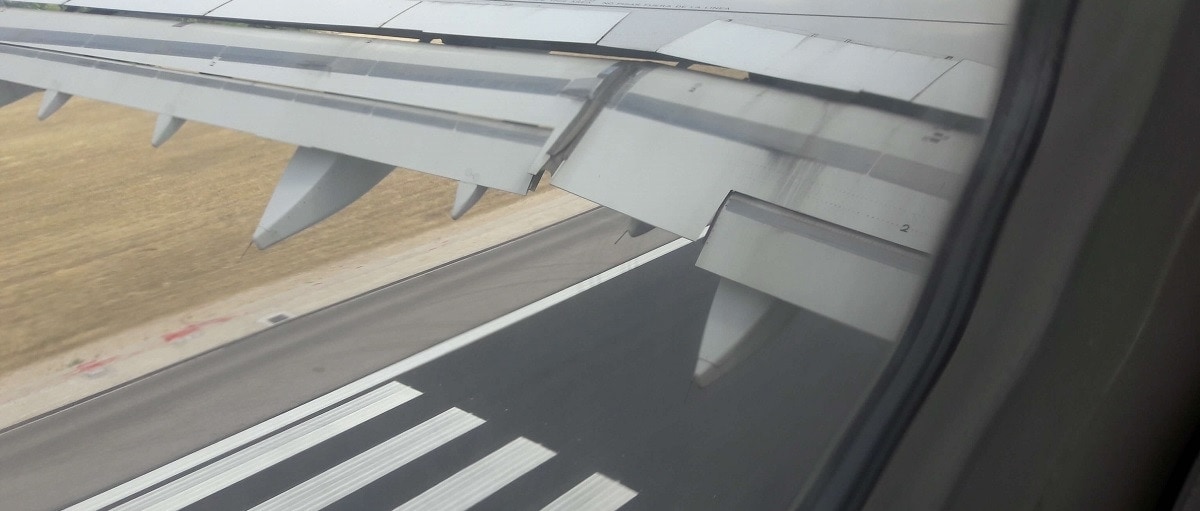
{"type": "Point", "coordinates": [828, 193]}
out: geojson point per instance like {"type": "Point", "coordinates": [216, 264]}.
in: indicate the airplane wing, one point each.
{"type": "Point", "coordinates": [972, 29]}
{"type": "Point", "coordinates": [823, 184]}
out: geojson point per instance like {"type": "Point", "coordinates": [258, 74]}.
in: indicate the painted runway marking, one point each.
{"type": "Point", "coordinates": [475, 334]}
{"type": "Point", "coordinates": [479, 480]}
{"type": "Point", "coordinates": [215, 450]}
{"type": "Point", "coordinates": [94, 367]}
{"type": "Point", "coordinates": [252, 460]}
{"type": "Point", "coordinates": [596, 493]}
{"type": "Point", "coordinates": [363, 469]}
{"type": "Point", "coordinates": [419, 359]}
{"type": "Point", "coordinates": [192, 329]}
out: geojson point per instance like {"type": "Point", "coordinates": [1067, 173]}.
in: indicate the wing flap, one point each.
{"type": "Point", "coordinates": [857, 280]}
{"type": "Point", "coordinates": [395, 103]}
{"type": "Point", "coordinates": [509, 86]}
{"type": "Point", "coordinates": [491, 153]}
{"type": "Point", "coordinates": [688, 140]}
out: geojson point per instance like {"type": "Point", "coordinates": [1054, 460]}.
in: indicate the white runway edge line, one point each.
{"type": "Point", "coordinates": [374, 379]}
{"type": "Point", "coordinates": [471, 336]}
{"type": "Point", "coordinates": [471, 485]}
{"type": "Point", "coordinates": [225, 472]}
{"type": "Point", "coordinates": [353, 474]}
{"type": "Point", "coordinates": [596, 493]}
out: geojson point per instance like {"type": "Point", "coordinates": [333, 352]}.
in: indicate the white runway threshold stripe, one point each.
{"type": "Point", "coordinates": [225, 472]}
{"type": "Point", "coordinates": [363, 469]}
{"type": "Point", "coordinates": [596, 493]}
{"type": "Point", "coordinates": [215, 450]}
{"type": "Point", "coordinates": [363, 384]}
{"type": "Point", "coordinates": [471, 485]}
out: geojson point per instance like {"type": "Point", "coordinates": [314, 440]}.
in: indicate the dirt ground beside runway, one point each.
{"type": "Point", "coordinates": [100, 232]}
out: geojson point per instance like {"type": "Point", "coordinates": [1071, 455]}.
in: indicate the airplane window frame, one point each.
{"type": "Point", "coordinates": [1038, 43]}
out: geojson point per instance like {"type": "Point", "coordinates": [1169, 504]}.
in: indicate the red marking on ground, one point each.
{"type": "Point", "coordinates": [191, 329]}
{"type": "Point", "coordinates": [87, 367]}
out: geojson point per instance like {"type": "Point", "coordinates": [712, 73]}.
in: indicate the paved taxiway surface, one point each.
{"type": "Point", "coordinates": [597, 388]}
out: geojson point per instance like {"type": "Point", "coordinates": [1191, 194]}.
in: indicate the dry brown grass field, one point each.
{"type": "Point", "coordinates": [100, 232]}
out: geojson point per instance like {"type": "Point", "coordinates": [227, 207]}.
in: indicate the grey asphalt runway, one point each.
{"type": "Point", "coordinates": [605, 381]}
{"type": "Point", "coordinates": [602, 382]}
{"type": "Point", "coordinates": [88, 447]}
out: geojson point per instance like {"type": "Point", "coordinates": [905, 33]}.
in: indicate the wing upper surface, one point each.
{"type": "Point", "coordinates": [974, 30]}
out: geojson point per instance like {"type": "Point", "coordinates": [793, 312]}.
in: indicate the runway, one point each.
{"type": "Point", "coordinates": [589, 397]}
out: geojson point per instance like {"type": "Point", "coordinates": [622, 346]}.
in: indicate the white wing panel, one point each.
{"type": "Point", "coordinates": [682, 152]}
{"type": "Point", "coordinates": [648, 30]}
{"type": "Point", "coordinates": [853, 279]}
{"type": "Point", "coordinates": [902, 75]}
{"type": "Point", "coordinates": [508, 21]}
{"type": "Point", "coordinates": [809, 59]}
{"type": "Point", "coordinates": [186, 7]}
{"type": "Point", "coordinates": [976, 30]}
{"type": "Point", "coordinates": [677, 180]}
{"type": "Point", "coordinates": [348, 13]}
{"type": "Point", "coordinates": [725, 43]}
{"type": "Point", "coordinates": [969, 88]}
{"type": "Point", "coordinates": [964, 11]}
